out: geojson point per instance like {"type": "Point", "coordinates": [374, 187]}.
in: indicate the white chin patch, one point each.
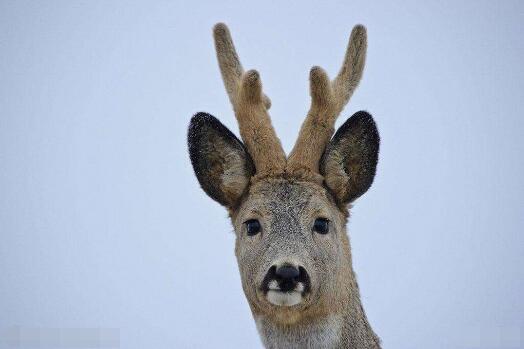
{"type": "Point", "coordinates": [286, 299]}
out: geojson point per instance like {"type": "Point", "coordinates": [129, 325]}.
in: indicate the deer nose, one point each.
{"type": "Point", "coordinates": [286, 277]}
{"type": "Point", "coordinates": [287, 272]}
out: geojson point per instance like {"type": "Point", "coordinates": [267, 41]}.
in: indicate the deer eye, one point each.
{"type": "Point", "coordinates": [321, 225]}
{"type": "Point", "coordinates": [253, 227]}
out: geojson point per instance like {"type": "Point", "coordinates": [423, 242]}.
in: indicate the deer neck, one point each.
{"type": "Point", "coordinates": [344, 328]}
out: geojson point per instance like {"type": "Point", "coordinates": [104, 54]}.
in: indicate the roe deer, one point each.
{"type": "Point", "coordinates": [289, 213]}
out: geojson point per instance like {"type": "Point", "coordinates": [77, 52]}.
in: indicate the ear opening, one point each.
{"type": "Point", "coordinates": [350, 160]}
{"type": "Point", "coordinates": [220, 160]}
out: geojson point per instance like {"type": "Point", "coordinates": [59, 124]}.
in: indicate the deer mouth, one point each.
{"type": "Point", "coordinates": [285, 287]}
{"type": "Point", "coordinates": [276, 296]}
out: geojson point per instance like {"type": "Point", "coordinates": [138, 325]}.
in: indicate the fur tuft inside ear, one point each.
{"type": "Point", "coordinates": [350, 160]}
{"type": "Point", "coordinates": [221, 163]}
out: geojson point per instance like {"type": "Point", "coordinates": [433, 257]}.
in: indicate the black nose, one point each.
{"type": "Point", "coordinates": [287, 272]}
{"type": "Point", "coordinates": [287, 276]}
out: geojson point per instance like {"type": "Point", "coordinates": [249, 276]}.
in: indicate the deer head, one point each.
{"type": "Point", "coordinates": [289, 213]}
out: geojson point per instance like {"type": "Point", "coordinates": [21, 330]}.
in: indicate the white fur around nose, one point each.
{"type": "Point", "coordinates": [286, 299]}
{"type": "Point", "coordinates": [273, 285]}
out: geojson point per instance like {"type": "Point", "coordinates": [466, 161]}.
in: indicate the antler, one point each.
{"type": "Point", "coordinates": [250, 106]}
{"type": "Point", "coordinates": [328, 98]}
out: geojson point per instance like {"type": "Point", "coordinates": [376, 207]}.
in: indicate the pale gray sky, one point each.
{"type": "Point", "coordinates": [102, 222]}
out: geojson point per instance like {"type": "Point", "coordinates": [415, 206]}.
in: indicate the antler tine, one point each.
{"type": "Point", "coordinates": [328, 98]}
{"type": "Point", "coordinates": [230, 66]}
{"type": "Point", "coordinates": [250, 106]}
{"type": "Point", "coordinates": [351, 72]}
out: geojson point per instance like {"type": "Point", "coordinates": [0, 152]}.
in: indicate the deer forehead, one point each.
{"type": "Point", "coordinates": [279, 200]}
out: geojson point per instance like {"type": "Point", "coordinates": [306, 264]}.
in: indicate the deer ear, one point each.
{"type": "Point", "coordinates": [220, 160]}
{"type": "Point", "coordinates": [350, 160]}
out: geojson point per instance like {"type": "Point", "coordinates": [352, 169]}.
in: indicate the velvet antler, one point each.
{"type": "Point", "coordinates": [328, 98]}
{"type": "Point", "coordinates": [250, 106]}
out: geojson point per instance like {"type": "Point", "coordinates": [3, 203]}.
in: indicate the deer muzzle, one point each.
{"type": "Point", "coordinates": [286, 284]}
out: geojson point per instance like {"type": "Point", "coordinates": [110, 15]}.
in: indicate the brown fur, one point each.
{"type": "Point", "coordinates": [250, 105]}
{"type": "Point", "coordinates": [328, 258]}
{"type": "Point", "coordinates": [320, 179]}
{"type": "Point", "coordinates": [327, 101]}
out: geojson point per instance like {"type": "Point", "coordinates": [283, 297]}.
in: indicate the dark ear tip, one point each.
{"type": "Point", "coordinates": [358, 142]}
{"type": "Point", "coordinates": [362, 118]}
{"type": "Point", "coordinates": [201, 118]}
{"type": "Point", "coordinates": [195, 125]}
{"type": "Point", "coordinates": [209, 143]}
{"type": "Point", "coordinates": [202, 121]}
{"type": "Point", "coordinates": [199, 125]}
{"type": "Point", "coordinates": [365, 118]}
{"type": "Point", "coordinates": [368, 120]}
